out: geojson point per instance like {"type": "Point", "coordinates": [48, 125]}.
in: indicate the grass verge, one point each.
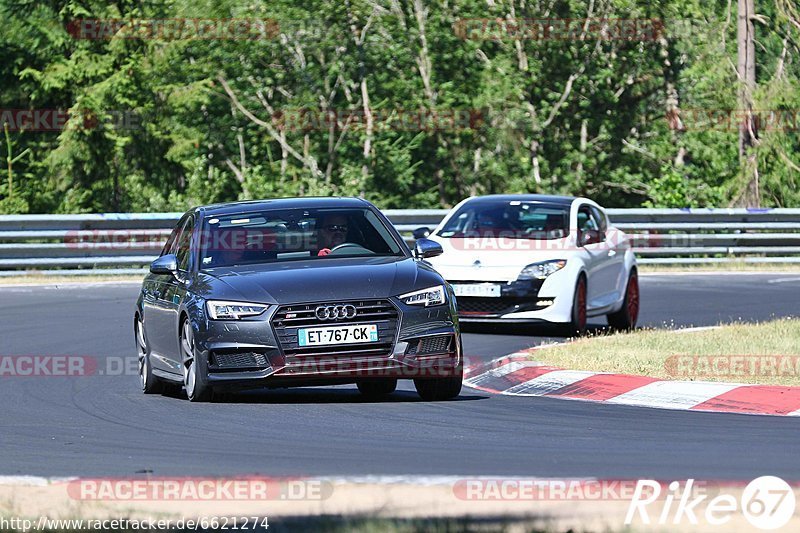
{"type": "Point", "coordinates": [765, 353]}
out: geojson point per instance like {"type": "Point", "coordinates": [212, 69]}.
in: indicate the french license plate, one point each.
{"type": "Point", "coordinates": [486, 290]}
{"type": "Point", "coordinates": [337, 335]}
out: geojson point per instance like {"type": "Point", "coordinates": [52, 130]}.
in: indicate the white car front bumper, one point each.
{"type": "Point", "coordinates": [548, 300]}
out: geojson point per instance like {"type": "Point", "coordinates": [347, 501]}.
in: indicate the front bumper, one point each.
{"type": "Point", "coordinates": [519, 301]}
{"type": "Point", "coordinates": [413, 343]}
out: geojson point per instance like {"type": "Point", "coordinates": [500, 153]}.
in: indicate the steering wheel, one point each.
{"type": "Point", "coordinates": [350, 248]}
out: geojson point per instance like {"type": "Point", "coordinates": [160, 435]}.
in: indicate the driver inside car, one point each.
{"type": "Point", "coordinates": [331, 232]}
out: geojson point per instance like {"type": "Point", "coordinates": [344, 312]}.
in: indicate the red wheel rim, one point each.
{"type": "Point", "coordinates": [582, 304]}
{"type": "Point", "coordinates": [633, 298]}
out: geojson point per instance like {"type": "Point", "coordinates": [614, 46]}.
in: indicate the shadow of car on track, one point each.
{"type": "Point", "coordinates": [548, 332]}
{"type": "Point", "coordinates": [321, 395]}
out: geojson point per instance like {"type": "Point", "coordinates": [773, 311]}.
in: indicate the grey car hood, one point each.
{"type": "Point", "coordinates": [316, 280]}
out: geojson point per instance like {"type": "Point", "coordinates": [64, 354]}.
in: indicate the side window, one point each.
{"type": "Point", "coordinates": [170, 244]}
{"type": "Point", "coordinates": [379, 245]}
{"type": "Point", "coordinates": [462, 220]}
{"type": "Point", "coordinates": [600, 218]}
{"type": "Point", "coordinates": [183, 245]}
{"type": "Point", "coordinates": [585, 219]}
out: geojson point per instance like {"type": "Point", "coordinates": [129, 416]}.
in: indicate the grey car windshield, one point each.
{"type": "Point", "coordinates": [294, 234]}
{"type": "Point", "coordinates": [509, 219]}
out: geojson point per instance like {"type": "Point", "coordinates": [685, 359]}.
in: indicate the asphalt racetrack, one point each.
{"type": "Point", "coordinates": [102, 425]}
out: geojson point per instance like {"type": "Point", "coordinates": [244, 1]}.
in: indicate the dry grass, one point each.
{"type": "Point", "coordinates": [767, 353]}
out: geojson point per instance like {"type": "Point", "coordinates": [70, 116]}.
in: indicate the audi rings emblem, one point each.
{"type": "Point", "coordinates": [333, 312]}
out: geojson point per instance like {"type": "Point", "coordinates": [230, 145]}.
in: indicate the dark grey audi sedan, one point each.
{"type": "Point", "coordinates": [296, 292]}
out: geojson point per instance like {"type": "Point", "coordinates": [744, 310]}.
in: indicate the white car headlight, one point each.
{"type": "Point", "coordinates": [221, 310]}
{"type": "Point", "coordinates": [426, 297]}
{"type": "Point", "coordinates": [542, 270]}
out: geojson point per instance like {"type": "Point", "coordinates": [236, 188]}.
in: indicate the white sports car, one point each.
{"type": "Point", "coordinates": [536, 258]}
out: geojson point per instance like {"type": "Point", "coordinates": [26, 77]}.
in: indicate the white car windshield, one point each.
{"type": "Point", "coordinates": [508, 219]}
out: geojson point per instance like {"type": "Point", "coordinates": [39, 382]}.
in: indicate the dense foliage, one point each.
{"type": "Point", "coordinates": [404, 102]}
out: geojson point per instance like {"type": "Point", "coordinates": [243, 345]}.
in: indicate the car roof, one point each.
{"type": "Point", "coordinates": [232, 208]}
{"type": "Point", "coordinates": [545, 198]}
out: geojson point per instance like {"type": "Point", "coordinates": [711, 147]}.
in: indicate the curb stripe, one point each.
{"type": "Point", "coordinates": [602, 387]}
{"type": "Point", "coordinates": [511, 368]}
{"type": "Point", "coordinates": [672, 394]}
{"type": "Point", "coordinates": [502, 382]}
{"type": "Point", "coordinates": [517, 375]}
{"type": "Point", "coordinates": [479, 368]}
{"type": "Point", "coordinates": [549, 382]}
{"type": "Point", "coordinates": [762, 399]}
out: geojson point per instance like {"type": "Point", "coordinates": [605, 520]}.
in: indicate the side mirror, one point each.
{"type": "Point", "coordinates": [427, 248]}
{"type": "Point", "coordinates": [421, 233]}
{"type": "Point", "coordinates": [589, 236]}
{"type": "Point", "coordinates": [166, 264]}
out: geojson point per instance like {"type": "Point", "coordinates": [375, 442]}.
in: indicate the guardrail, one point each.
{"type": "Point", "coordinates": [127, 242]}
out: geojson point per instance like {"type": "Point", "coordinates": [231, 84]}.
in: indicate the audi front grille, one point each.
{"type": "Point", "coordinates": [289, 318]}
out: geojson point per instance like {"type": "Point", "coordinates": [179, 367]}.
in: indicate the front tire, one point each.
{"type": "Point", "coordinates": [577, 325]}
{"type": "Point", "coordinates": [433, 390]}
{"type": "Point", "coordinates": [195, 373]}
{"type": "Point", "coordinates": [625, 319]}
{"type": "Point", "coordinates": [377, 388]}
{"type": "Point", "coordinates": [149, 382]}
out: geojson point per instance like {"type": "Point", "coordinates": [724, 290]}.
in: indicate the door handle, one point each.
{"type": "Point", "coordinates": [612, 253]}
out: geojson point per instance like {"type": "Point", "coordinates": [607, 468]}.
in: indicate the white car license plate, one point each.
{"type": "Point", "coordinates": [337, 335]}
{"type": "Point", "coordinates": [490, 290]}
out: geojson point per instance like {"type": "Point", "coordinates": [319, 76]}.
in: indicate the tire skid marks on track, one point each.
{"type": "Point", "coordinates": [549, 382]}
{"type": "Point", "coordinates": [517, 375]}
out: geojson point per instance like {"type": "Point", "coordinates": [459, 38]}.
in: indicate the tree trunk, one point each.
{"type": "Point", "coordinates": [9, 159]}
{"type": "Point", "coordinates": [747, 78]}
{"type": "Point", "coordinates": [537, 176]}
{"type": "Point", "coordinates": [367, 138]}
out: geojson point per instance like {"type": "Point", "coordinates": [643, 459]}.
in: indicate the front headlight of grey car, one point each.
{"type": "Point", "coordinates": [542, 270]}
{"type": "Point", "coordinates": [426, 297]}
{"type": "Point", "coordinates": [222, 310]}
